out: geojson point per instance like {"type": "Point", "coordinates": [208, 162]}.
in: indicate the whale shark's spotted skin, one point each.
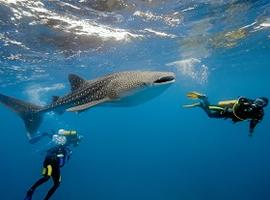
{"type": "Point", "coordinates": [86, 94]}
{"type": "Point", "coordinates": [107, 88]}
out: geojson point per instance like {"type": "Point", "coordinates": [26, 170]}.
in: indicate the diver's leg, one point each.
{"type": "Point", "coordinates": [205, 105]}
{"type": "Point", "coordinates": [56, 180]}
{"type": "Point", "coordinates": [31, 191]}
{"type": "Point", "coordinates": [40, 182]}
{"type": "Point", "coordinates": [46, 172]}
{"type": "Point", "coordinates": [212, 113]}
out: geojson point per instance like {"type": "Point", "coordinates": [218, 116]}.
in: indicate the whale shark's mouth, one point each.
{"type": "Point", "coordinates": [165, 80]}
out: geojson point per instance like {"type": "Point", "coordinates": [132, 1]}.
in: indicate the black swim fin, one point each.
{"type": "Point", "coordinates": [29, 195]}
{"type": "Point", "coordinates": [30, 113]}
{"type": "Point", "coordinates": [28, 198]}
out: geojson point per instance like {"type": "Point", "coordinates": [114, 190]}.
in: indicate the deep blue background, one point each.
{"type": "Point", "coordinates": [157, 150]}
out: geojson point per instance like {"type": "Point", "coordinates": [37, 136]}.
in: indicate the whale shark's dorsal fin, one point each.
{"type": "Point", "coordinates": [75, 81]}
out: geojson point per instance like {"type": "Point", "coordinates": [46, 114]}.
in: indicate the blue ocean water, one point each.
{"type": "Point", "coordinates": [157, 150]}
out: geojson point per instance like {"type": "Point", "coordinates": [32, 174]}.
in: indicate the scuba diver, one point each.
{"type": "Point", "coordinates": [237, 110]}
{"type": "Point", "coordinates": [56, 157]}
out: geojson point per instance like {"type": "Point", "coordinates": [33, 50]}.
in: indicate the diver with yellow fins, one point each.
{"type": "Point", "coordinates": [237, 110]}
{"type": "Point", "coordinates": [56, 157]}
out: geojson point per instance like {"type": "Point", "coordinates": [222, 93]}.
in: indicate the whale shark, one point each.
{"type": "Point", "coordinates": [128, 88]}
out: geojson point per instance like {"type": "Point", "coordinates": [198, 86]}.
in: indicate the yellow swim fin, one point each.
{"type": "Point", "coordinates": [195, 95]}
{"type": "Point", "coordinates": [192, 105]}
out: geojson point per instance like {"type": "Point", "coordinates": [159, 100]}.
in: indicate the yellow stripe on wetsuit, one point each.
{"type": "Point", "coordinates": [47, 170]}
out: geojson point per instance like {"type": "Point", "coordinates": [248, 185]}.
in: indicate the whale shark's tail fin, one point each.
{"type": "Point", "coordinates": [30, 113]}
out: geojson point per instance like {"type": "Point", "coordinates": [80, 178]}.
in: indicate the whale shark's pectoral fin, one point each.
{"type": "Point", "coordinates": [86, 106]}
{"type": "Point", "coordinates": [75, 81]}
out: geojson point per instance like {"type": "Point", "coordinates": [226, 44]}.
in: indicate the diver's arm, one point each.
{"type": "Point", "coordinates": [38, 137]}
{"type": "Point", "coordinates": [46, 134]}
{"type": "Point", "coordinates": [50, 135]}
{"type": "Point", "coordinates": [67, 153]}
{"type": "Point", "coordinates": [35, 139]}
{"type": "Point", "coordinates": [257, 118]}
{"type": "Point", "coordinates": [253, 123]}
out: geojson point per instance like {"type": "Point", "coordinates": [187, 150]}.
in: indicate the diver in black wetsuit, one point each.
{"type": "Point", "coordinates": [56, 158]}
{"type": "Point", "coordinates": [237, 110]}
